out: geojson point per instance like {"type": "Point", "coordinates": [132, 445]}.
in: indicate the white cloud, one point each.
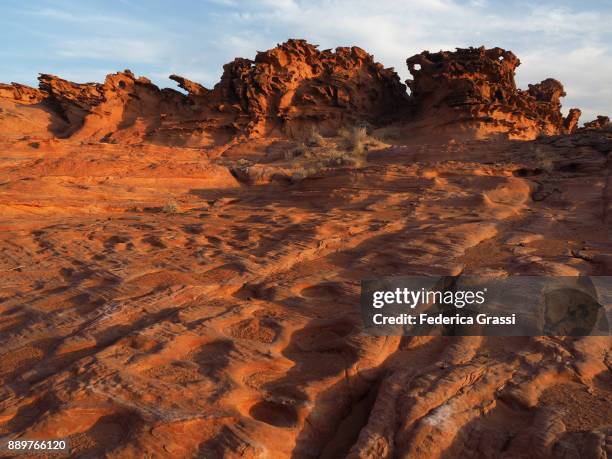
{"type": "Point", "coordinates": [81, 18]}
{"type": "Point", "coordinates": [128, 50]}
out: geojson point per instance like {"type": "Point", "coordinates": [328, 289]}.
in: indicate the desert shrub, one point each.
{"type": "Point", "coordinates": [360, 136]}
{"type": "Point", "coordinates": [355, 139]}
{"type": "Point", "coordinates": [347, 149]}
{"type": "Point", "coordinates": [314, 138]}
{"type": "Point", "coordinates": [301, 173]}
{"type": "Point", "coordinates": [342, 158]}
{"type": "Point", "coordinates": [170, 207]}
{"type": "Point", "coordinates": [300, 150]}
{"type": "Point", "coordinates": [542, 160]}
{"type": "Point", "coordinates": [298, 174]}
{"type": "Point", "coordinates": [388, 133]}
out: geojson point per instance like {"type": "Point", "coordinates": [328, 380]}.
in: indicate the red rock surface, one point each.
{"type": "Point", "coordinates": [284, 92]}
{"type": "Point", "coordinates": [161, 300]}
{"type": "Point", "coordinates": [599, 123]}
{"type": "Point", "coordinates": [473, 89]}
{"type": "Point", "coordinates": [296, 85]}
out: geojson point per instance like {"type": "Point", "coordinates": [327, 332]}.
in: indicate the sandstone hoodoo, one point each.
{"type": "Point", "coordinates": [295, 85]}
{"type": "Point", "coordinates": [473, 89]}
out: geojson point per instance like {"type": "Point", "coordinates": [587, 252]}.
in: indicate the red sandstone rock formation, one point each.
{"type": "Point", "coordinates": [155, 304]}
{"type": "Point", "coordinates": [285, 91]}
{"type": "Point", "coordinates": [474, 89]}
{"type": "Point", "coordinates": [295, 84]}
{"type": "Point", "coordinates": [21, 93]}
{"type": "Point", "coordinates": [599, 123]}
{"type": "Point", "coordinates": [193, 88]}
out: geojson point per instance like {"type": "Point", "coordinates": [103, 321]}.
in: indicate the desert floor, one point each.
{"type": "Point", "coordinates": [152, 305]}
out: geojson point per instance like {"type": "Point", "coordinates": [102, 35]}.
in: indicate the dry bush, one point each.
{"type": "Point", "coordinates": [347, 149]}
{"type": "Point", "coordinates": [333, 158]}
{"type": "Point", "coordinates": [542, 160]}
{"type": "Point", "coordinates": [342, 158]}
{"type": "Point", "coordinates": [307, 148]}
{"type": "Point", "coordinates": [170, 207]}
{"type": "Point", "coordinates": [388, 133]}
{"type": "Point", "coordinates": [355, 139]}
{"type": "Point", "coordinates": [300, 173]}
{"type": "Point", "coordinates": [314, 138]}
{"type": "Point", "coordinates": [299, 150]}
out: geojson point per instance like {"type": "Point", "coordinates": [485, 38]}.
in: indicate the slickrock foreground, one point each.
{"type": "Point", "coordinates": [181, 272]}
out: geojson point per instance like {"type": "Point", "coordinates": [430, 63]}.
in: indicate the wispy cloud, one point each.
{"type": "Point", "coordinates": [84, 18]}
{"type": "Point", "coordinates": [122, 49]}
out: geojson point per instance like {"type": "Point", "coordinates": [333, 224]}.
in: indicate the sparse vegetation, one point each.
{"type": "Point", "coordinates": [301, 173]}
{"type": "Point", "coordinates": [342, 158]}
{"type": "Point", "coordinates": [170, 207]}
{"type": "Point", "coordinates": [314, 138]}
{"type": "Point", "coordinates": [299, 150]}
{"type": "Point", "coordinates": [542, 160]}
{"type": "Point", "coordinates": [389, 134]}
{"type": "Point", "coordinates": [317, 153]}
{"type": "Point", "coordinates": [354, 139]}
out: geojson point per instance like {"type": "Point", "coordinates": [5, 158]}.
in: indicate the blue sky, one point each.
{"type": "Point", "coordinates": [83, 41]}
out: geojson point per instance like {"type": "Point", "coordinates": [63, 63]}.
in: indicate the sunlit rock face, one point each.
{"type": "Point", "coordinates": [296, 85]}
{"type": "Point", "coordinates": [295, 88]}
{"type": "Point", "coordinates": [473, 89]}
{"type": "Point", "coordinates": [285, 91]}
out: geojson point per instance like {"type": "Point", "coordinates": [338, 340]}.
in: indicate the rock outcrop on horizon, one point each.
{"type": "Point", "coordinates": [297, 84]}
{"type": "Point", "coordinates": [598, 123]}
{"type": "Point", "coordinates": [283, 92]}
{"type": "Point", "coordinates": [294, 86]}
{"type": "Point", "coordinates": [474, 89]}
{"type": "Point", "coordinates": [290, 89]}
